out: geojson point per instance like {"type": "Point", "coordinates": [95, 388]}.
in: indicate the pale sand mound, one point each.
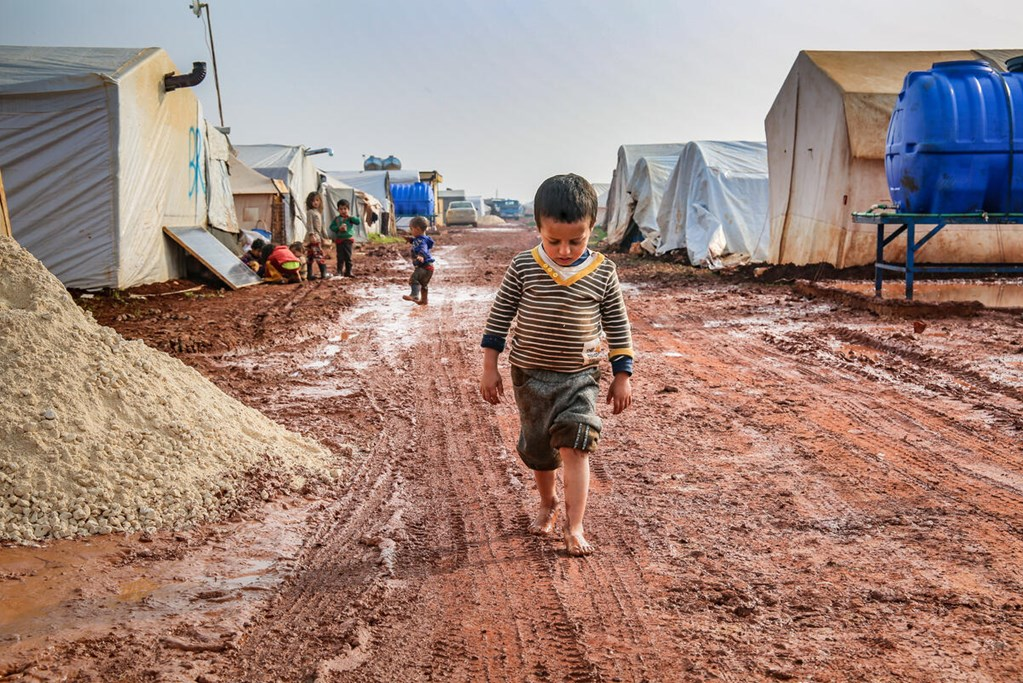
{"type": "Point", "coordinates": [490, 220]}
{"type": "Point", "coordinates": [101, 434]}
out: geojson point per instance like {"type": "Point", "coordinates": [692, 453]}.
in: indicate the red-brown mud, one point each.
{"type": "Point", "coordinates": [803, 490]}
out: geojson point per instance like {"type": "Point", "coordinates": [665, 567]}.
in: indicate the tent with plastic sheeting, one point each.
{"type": "Point", "coordinates": [378, 185]}
{"type": "Point", "coordinates": [826, 138]}
{"type": "Point", "coordinates": [644, 193]}
{"type": "Point", "coordinates": [618, 212]}
{"type": "Point", "coordinates": [259, 201]}
{"type": "Point", "coordinates": [362, 205]}
{"type": "Point", "coordinates": [715, 204]}
{"type": "Point", "coordinates": [291, 165]}
{"type": "Point", "coordinates": [602, 190]}
{"type": "Point", "coordinates": [98, 157]}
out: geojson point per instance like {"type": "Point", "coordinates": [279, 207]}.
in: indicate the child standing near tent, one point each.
{"type": "Point", "coordinates": [342, 230]}
{"type": "Point", "coordinates": [564, 297]}
{"type": "Point", "coordinates": [422, 261]}
{"type": "Point", "coordinates": [315, 236]}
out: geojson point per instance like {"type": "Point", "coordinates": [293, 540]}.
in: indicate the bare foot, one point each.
{"type": "Point", "coordinates": [546, 518]}
{"type": "Point", "coordinates": [410, 298]}
{"type": "Point", "coordinates": [576, 545]}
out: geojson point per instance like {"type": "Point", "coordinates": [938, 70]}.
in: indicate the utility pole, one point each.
{"type": "Point", "coordinates": [197, 8]}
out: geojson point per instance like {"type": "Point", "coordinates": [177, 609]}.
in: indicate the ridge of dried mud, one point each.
{"type": "Point", "coordinates": [803, 490]}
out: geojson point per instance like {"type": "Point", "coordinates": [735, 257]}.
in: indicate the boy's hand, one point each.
{"type": "Point", "coordinates": [491, 386]}
{"type": "Point", "coordinates": [620, 392]}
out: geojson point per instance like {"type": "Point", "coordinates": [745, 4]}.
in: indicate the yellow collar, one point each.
{"type": "Point", "coordinates": [562, 276]}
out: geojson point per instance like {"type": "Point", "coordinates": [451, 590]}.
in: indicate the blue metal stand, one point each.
{"type": "Point", "coordinates": [908, 222]}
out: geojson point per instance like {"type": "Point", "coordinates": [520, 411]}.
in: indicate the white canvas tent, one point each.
{"type": "Point", "coordinates": [362, 205]}
{"type": "Point", "coordinates": [716, 203]}
{"type": "Point", "coordinates": [291, 165]}
{"type": "Point", "coordinates": [618, 199]}
{"type": "Point", "coordinates": [98, 157]}
{"type": "Point", "coordinates": [826, 136]}
{"type": "Point", "coordinates": [646, 188]}
{"type": "Point", "coordinates": [602, 190]}
{"type": "Point", "coordinates": [255, 196]}
{"type": "Point", "coordinates": [376, 184]}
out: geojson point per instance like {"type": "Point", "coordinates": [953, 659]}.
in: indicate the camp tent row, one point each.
{"type": "Point", "coordinates": [99, 155]}
{"type": "Point", "coordinates": [706, 197]}
{"type": "Point", "coordinates": [791, 200]}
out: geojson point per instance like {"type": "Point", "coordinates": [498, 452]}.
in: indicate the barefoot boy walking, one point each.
{"type": "Point", "coordinates": [565, 297]}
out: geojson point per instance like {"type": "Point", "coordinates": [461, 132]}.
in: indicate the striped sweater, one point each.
{"type": "Point", "coordinates": [562, 313]}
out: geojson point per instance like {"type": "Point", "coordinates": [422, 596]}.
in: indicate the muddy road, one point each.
{"type": "Point", "coordinates": [803, 490]}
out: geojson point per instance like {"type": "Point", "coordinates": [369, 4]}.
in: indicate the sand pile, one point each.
{"type": "Point", "coordinates": [100, 434]}
{"type": "Point", "coordinates": [490, 220]}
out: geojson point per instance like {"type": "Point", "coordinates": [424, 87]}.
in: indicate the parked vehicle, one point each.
{"type": "Point", "coordinates": [461, 213]}
{"type": "Point", "coordinates": [508, 209]}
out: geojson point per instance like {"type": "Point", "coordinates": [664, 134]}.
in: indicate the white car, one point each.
{"type": "Point", "coordinates": [460, 213]}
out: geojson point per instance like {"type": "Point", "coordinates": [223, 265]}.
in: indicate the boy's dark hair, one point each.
{"type": "Point", "coordinates": [257, 244]}
{"type": "Point", "coordinates": [266, 251]}
{"type": "Point", "coordinates": [297, 247]}
{"type": "Point", "coordinates": [418, 222]}
{"type": "Point", "coordinates": [343, 202]}
{"type": "Point", "coordinates": [565, 198]}
{"type": "Point", "coordinates": [309, 199]}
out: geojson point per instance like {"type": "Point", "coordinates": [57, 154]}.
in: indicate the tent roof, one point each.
{"type": "Point", "coordinates": [273, 161]}
{"type": "Point", "coordinates": [878, 72]}
{"type": "Point", "coordinates": [734, 158]}
{"type": "Point", "coordinates": [869, 82]}
{"type": "Point", "coordinates": [244, 180]}
{"type": "Point", "coordinates": [30, 69]}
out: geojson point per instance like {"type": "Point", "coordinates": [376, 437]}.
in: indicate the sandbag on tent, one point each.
{"type": "Point", "coordinates": [716, 203]}
{"type": "Point", "coordinates": [826, 136]}
{"type": "Point", "coordinates": [98, 157]}
{"type": "Point", "coordinates": [649, 181]}
{"type": "Point", "coordinates": [618, 199]}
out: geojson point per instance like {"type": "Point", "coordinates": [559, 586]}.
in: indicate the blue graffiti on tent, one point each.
{"type": "Point", "coordinates": [195, 168]}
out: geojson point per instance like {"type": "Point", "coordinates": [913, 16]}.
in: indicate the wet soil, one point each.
{"type": "Point", "coordinates": [804, 489]}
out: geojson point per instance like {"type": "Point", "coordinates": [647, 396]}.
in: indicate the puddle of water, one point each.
{"type": "Point", "coordinates": [323, 392]}
{"type": "Point", "coordinates": [672, 354]}
{"type": "Point", "coordinates": [80, 586]}
{"type": "Point", "coordinates": [314, 365]}
{"type": "Point", "coordinates": [990, 294]}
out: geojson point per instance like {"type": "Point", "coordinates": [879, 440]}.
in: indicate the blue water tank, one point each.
{"type": "Point", "coordinates": [955, 141]}
{"type": "Point", "coordinates": [373, 163]}
{"type": "Point", "coordinates": [392, 163]}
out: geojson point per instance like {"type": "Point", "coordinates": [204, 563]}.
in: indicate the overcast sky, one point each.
{"type": "Point", "coordinates": [499, 94]}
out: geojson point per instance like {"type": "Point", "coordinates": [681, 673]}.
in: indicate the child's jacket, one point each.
{"type": "Point", "coordinates": [421, 246]}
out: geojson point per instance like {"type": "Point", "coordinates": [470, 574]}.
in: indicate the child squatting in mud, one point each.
{"type": "Point", "coordinates": [563, 296]}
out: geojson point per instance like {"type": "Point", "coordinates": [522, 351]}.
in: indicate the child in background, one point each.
{"type": "Point", "coordinates": [314, 236]}
{"type": "Point", "coordinates": [280, 264]}
{"type": "Point", "coordinates": [422, 261]}
{"type": "Point", "coordinates": [342, 230]}
{"type": "Point", "coordinates": [564, 297]}
{"type": "Point", "coordinates": [298, 249]}
{"type": "Point", "coordinates": [253, 258]}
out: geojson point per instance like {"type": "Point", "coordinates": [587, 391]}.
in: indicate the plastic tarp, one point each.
{"type": "Point", "coordinates": [716, 203]}
{"type": "Point", "coordinates": [290, 164]}
{"type": "Point", "coordinates": [602, 190]}
{"type": "Point", "coordinates": [618, 200]}
{"type": "Point", "coordinates": [645, 190]}
{"type": "Point", "coordinates": [221, 197]}
{"type": "Point", "coordinates": [377, 184]}
{"type": "Point", "coordinates": [826, 136]}
{"type": "Point", "coordinates": [254, 195]}
{"type": "Point", "coordinates": [97, 159]}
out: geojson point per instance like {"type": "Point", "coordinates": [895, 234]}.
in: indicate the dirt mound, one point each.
{"type": "Point", "coordinates": [490, 220]}
{"type": "Point", "coordinates": [102, 434]}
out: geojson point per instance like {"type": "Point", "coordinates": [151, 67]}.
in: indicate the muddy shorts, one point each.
{"type": "Point", "coordinates": [556, 410]}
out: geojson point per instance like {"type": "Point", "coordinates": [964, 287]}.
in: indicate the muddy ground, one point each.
{"type": "Point", "coordinates": [809, 487]}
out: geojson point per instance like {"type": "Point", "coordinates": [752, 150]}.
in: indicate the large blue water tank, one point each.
{"type": "Point", "coordinates": [955, 141]}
